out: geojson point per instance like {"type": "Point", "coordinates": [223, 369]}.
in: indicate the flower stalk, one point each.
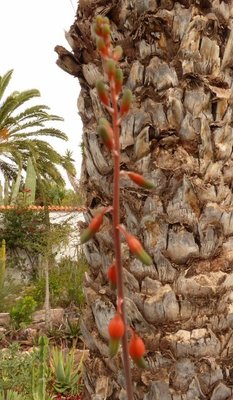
{"type": "Point", "coordinates": [117, 240]}
{"type": "Point", "coordinates": [109, 132]}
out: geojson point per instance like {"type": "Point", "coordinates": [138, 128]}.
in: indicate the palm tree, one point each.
{"type": "Point", "coordinates": [68, 164]}
{"type": "Point", "coordinates": [22, 133]}
{"type": "Point", "coordinates": [178, 62]}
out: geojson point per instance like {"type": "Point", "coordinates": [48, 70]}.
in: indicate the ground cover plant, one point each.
{"type": "Point", "coordinates": [41, 374]}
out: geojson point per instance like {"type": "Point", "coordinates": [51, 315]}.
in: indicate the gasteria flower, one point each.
{"type": "Point", "coordinates": [92, 228]}
{"type": "Point", "coordinates": [116, 330]}
{"type": "Point", "coordinates": [102, 47]}
{"type": "Point", "coordinates": [110, 68]}
{"type": "Point", "coordinates": [106, 133]}
{"type": "Point", "coordinates": [101, 26]}
{"type": "Point", "coordinates": [137, 350]}
{"type": "Point", "coordinates": [117, 53]}
{"type": "Point", "coordinates": [126, 101]}
{"type": "Point", "coordinates": [140, 180]}
{"type": "Point", "coordinates": [118, 79]}
{"type": "Point", "coordinates": [103, 93]}
{"type": "Point", "coordinates": [136, 247]}
{"type": "Point", "coordinates": [112, 275]}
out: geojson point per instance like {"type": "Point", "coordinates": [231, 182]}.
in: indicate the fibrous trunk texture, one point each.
{"type": "Point", "coordinates": [178, 62]}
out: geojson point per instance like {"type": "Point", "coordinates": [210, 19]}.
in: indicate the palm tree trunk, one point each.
{"type": "Point", "coordinates": [178, 60]}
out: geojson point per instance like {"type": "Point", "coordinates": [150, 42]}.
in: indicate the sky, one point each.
{"type": "Point", "coordinates": [29, 31]}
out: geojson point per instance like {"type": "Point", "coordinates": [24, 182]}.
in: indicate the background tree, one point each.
{"type": "Point", "coordinates": [178, 62]}
{"type": "Point", "coordinates": [22, 133]}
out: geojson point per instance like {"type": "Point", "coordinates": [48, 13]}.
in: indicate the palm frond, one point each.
{"type": "Point", "coordinates": [42, 132]}
{"type": "Point", "coordinates": [32, 112]}
{"type": "Point", "coordinates": [6, 109]}
{"type": "Point", "coordinates": [4, 81]}
{"type": "Point", "coordinates": [8, 169]}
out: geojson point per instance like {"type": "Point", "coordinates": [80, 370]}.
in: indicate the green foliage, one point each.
{"type": "Point", "coordinates": [15, 369]}
{"type": "Point", "coordinates": [11, 395]}
{"type": "Point", "coordinates": [9, 293]}
{"type": "Point", "coordinates": [40, 374]}
{"type": "Point", "coordinates": [73, 199]}
{"type": "Point", "coordinates": [66, 283]}
{"type": "Point", "coordinates": [36, 375]}
{"type": "Point", "coordinates": [60, 196]}
{"type": "Point", "coordinates": [22, 131]}
{"type": "Point", "coordinates": [67, 376]}
{"type": "Point", "coordinates": [21, 313]}
{"type": "Point", "coordinates": [73, 328]}
{"type": "Point", "coordinates": [55, 194]}
{"type": "Point", "coordinates": [24, 229]}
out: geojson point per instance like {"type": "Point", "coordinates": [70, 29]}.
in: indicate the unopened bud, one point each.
{"type": "Point", "coordinates": [116, 329]}
{"type": "Point", "coordinates": [117, 53]}
{"type": "Point", "coordinates": [112, 276]}
{"type": "Point", "coordinates": [102, 93]}
{"type": "Point", "coordinates": [136, 247]}
{"type": "Point", "coordinates": [118, 78]}
{"type": "Point", "coordinates": [140, 180]}
{"type": "Point", "coordinates": [106, 133]}
{"type": "Point", "coordinates": [92, 228]}
{"type": "Point", "coordinates": [126, 101]}
{"type": "Point", "coordinates": [137, 351]}
{"type": "Point", "coordinates": [110, 68]}
{"type": "Point", "coordinates": [105, 30]}
{"type": "Point", "coordinates": [101, 46]}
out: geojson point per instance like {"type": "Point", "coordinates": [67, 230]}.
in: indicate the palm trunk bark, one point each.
{"type": "Point", "coordinates": [178, 61]}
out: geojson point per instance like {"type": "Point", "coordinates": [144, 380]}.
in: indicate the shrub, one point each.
{"type": "Point", "coordinates": [21, 313]}
{"type": "Point", "coordinates": [65, 283]}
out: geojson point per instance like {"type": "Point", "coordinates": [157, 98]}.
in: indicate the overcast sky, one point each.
{"type": "Point", "coordinates": [29, 31]}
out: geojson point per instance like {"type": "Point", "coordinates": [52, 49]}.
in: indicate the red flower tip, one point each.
{"type": "Point", "coordinates": [116, 329]}
{"type": "Point", "coordinates": [112, 275]}
{"type": "Point", "coordinates": [137, 350]}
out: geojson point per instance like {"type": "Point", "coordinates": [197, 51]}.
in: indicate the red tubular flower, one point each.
{"type": "Point", "coordinates": [92, 228]}
{"type": "Point", "coordinates": [102, 93]}
{"type": "Point", "coordinates": [137, 350]}
{"type": "Point", "coordinates": [140, 180]}
{"type": "Point", "coordinates": [126, 101]}
{"type": "Point", "coordinates": [112, 275]}
{"type": "Point", "coordinates": [116, 330]}
{"type": "Point", "coordinates": [116, 327]}
{"type": "Point", "coordinates": [136, 247]}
